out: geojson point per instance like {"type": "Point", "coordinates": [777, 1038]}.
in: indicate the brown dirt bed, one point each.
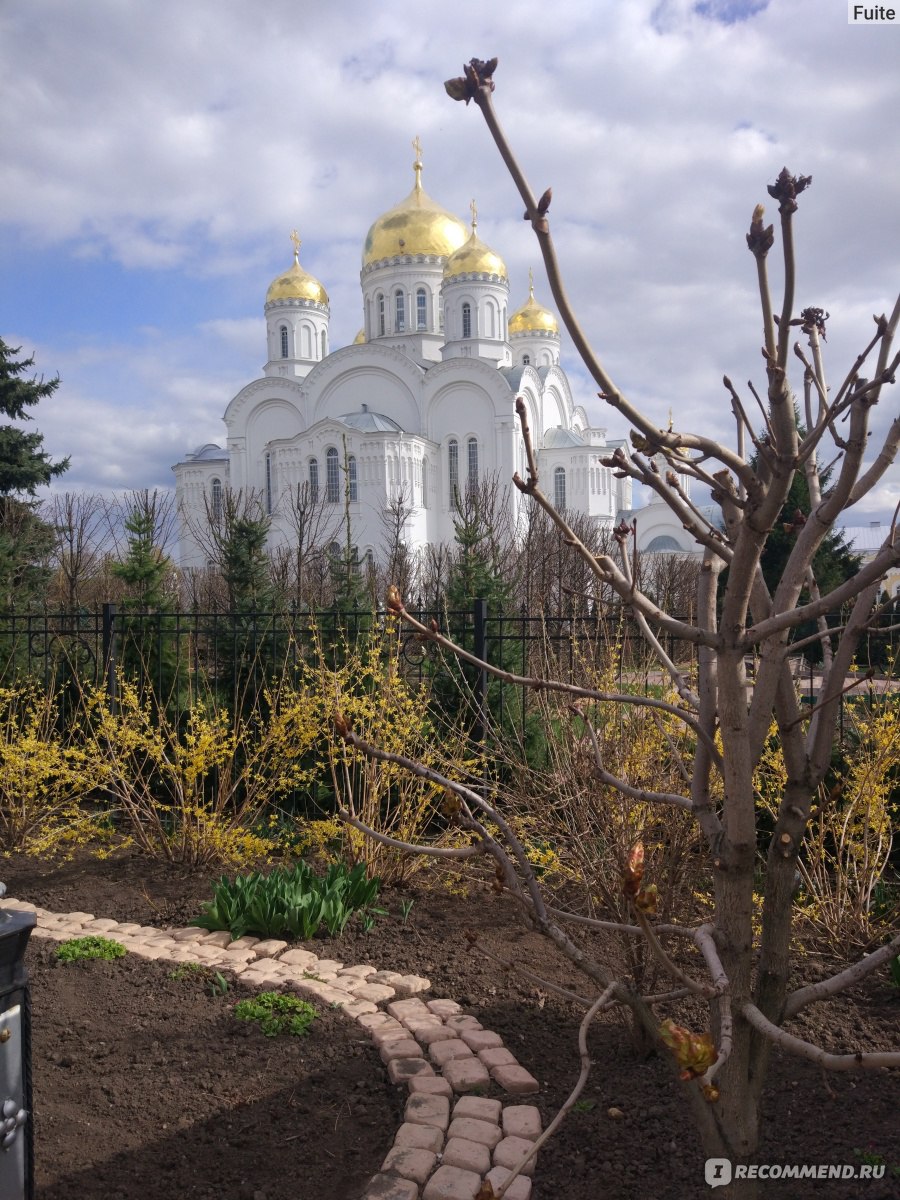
{"type": "Point", "coordinates": [146, 1086]}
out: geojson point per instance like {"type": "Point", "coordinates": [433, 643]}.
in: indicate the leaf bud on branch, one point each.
{"type": "Point", "coordinates": [787, 188]}
{"type": "Point", "coordinates": [761, 237]}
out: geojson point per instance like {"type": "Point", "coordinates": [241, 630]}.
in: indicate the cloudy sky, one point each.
{"type": "Point", "coordinates": [157, 155]}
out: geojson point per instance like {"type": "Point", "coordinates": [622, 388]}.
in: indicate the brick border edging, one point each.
{"type": "Point", "coordinates": [433, 1047]}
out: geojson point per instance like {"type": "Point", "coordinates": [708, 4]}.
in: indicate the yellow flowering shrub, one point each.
{"type": "Point", "coordinates": [367, 686]}
{"type": "Point", "coordinates": [195, 790]}
{"type": "Point", "coordinates": [45, 775]}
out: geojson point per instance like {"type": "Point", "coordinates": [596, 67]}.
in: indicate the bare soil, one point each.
{"type": "Point", "coordinates": [146, 1086]}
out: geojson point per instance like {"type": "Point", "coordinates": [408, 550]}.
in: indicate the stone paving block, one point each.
{"type": "Point", "coordinates": [382, 1034]}
{"type": "Point", "coordinates": [391, 1187]}
{"type": "Point", "coordinates": [269, 947]}
{"type": "Point", "coordinates": [128, 928]}
{"type": "Point", "coordinates": [430, 1085]}
{"type": "Point", "coordinates": [328, 966]}
{"type": "Point", "coordinates": [473, 1129]}
{"type": "Point", "coordinates": [299, 958]}
{"type": "Point", "coordinates": [515, 1080]}
{"type": "Point", "coordinates": [428, 1110]}
{"type": "Point", "coordinates": [411, 985]}
{"type": "Point", "coordinates": [410, 1161]}
{"type": "Point", "coordinates": [423, 1137]}
{"type": "Point", "coordinates": [480, 1039]}
{"type": "Point", "coordinates": [182, 954]}
{"type": "Point", "coordinates": [388, 977]}
{"type": "Point", "coordinates": [471, 1156]}
{"type": "Point", "coordinates": [427, 1021]}
{"type": "Point", "coordinates": [148, 950]}
{"type": "Point", "coordinates": [510, 1151]}
{"type": "Point", "coordinates": [479, 1107]}
{"type": "Point", "coordinates": [452, 1183]}
{"type": "Point", "coordinates": [206, 954]}
{"type": "Point", "coordinates": [466, 1074]}
{"type": "Point", "coordinates": [522, 1120]}
{"type": "Point", "coordinates": [461, 1021]}
{"type": "Point", "coordinates": [191, 934]}
{"type": "Point", "coordinates": [402, 1069]}
{"type": "Point", "coordinates": [429, 1034]}
{"type": "Point", "coordinates": [101, 925]}
{"type": "Point", "coordinates": [244, 943]}
{"type": "Point", "coordinates": [372, 991]}
{"type": "Point", "coordinates": [519, 1189]}
{"type": "Point", "coordinates": [442, 1052]}
{"type": "Point", "coordinates": [497, 1056]}
{"type": "Point", "coordinates": [79, 917]}
{"type": "Point", "coordinates": [362, 970]}
{"type": "Point", "coordinates": [407, 1008]}
{"type": "Point", "coordinates": [377, 1020]}
{"type": "Point", "coordinates": [360, 1008]}
{"type": "Point", "coordinates": [443, 1008]}
{"type": "Point", "coordinates": [221, 937]}
{"type": "Point", "coordinates": [399, 1048]}
{"type": "Point", "coordinates": [236, 953]}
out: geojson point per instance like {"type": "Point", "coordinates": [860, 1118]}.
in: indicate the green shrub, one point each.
{"type": "Point", "coordinates": [292, 902]}
{"type": "Point", "coordinates": [277, 1013]}
{"type": "Point", "coordinates": [90, 946]}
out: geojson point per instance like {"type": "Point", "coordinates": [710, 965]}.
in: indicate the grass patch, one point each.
{"type": "Point", "coordinates": [277, 1013]}
{"type": "Point", "coordinates": [90, 946]}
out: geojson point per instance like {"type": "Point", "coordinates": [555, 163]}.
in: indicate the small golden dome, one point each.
{"type": "Point", "coordinates": [417, 225]}
{"type": "Point", "coordinates": [474, 257]}
{"type": "Point", "coordinates": [533, 317]}
{"type": "Point", "coordinates": [360, 339]}
{"type": "Point", "coordinates": [295, 283]}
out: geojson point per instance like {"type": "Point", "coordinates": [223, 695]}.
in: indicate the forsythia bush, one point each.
{"type": "Point", "coordinates": [44, 775]}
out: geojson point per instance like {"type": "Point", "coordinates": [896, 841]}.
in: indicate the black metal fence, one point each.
{"type": "Point", "coordinates": [165, 650]}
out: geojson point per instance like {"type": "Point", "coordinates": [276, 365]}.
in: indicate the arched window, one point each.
{"type": "Point", "coordinates": [381, 319]}
{"type": "Point", "coordinates": [284, 342]}
{"type": "Point", "coordinates": [306, 340]}
{"type": "Point", "coordinates": [489, 312]}
{"type": "Point", "coordinates": [399, 312]}
{"type": "Point", "coordinates": [526, 360]}
{"type": "Point", "coordinates": [441, 311]}
{"type": "Point", "coordinates": [216, 502]}
{"type": "Point", "coordinates": [334, 550]}
{"type": "Point", "coordinates": [324, 343]}
{"type": "Point", "coordinates": [559, 489]}
{"type": "Point", "coordinates": [472, 472]}
{"type": "Point", "coordinates": [269, 488]}
{"type": "Point", "coordinates": [351, 479]}
{"type": "Point", "coordinates": [314, 479]}
{"type": "Point", "coordinates": [424, 482]}
{"type": "Point", "coordinates": [421, 309]}
{"type": "Point", "coordinates": [467, 319]}
{"type": "Point", "coordinates": [453, 471]}
{"type": "Point", "coordinates": [369, 560]}
{"type": "Point", "coordinates": [332, 476]}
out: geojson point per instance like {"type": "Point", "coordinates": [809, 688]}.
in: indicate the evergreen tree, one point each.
{"type": "Point", "coordinates": [25, 540]}
{"type": "Point", "coordinates": [24, 464]}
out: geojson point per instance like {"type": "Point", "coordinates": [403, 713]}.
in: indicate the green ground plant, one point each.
{"type": "Point", "coordinates": [89, 947]}
{"type": "Point", "coordinates": [290, 902]}
{"type": "Point", "coordinates": [276, 1013]}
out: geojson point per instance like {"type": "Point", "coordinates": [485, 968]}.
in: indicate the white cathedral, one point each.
{"type": "Point", "coordinates": [422, 405]}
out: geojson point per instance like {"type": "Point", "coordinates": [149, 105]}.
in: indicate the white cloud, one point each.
{"type": "Point", "coordinates": [185, 140]}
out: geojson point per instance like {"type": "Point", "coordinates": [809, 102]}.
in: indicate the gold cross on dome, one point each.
{"type": "Point", "coordinates": [295, 238]}
{"type": "Point", "coordinates": [417, 165]}
{"type": "Point", "coordinates": [473, 208]}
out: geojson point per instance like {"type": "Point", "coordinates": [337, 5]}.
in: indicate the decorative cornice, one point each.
{"type": "Point", "coordinates": [404, 260]}
{"type": "Point", "coordinates": [295, 302]}
{"type": "Point", "coordinates": [477, 277]}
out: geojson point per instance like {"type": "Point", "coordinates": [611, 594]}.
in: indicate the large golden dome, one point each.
{"type": "Point", "coordinates": [533, 317]}
{"type": "Point", "coordinates": [474, 257]}
{"type": "Point", "coordinates": [417, 225]}
{"type": "Point", "coordinates": [295, 283]}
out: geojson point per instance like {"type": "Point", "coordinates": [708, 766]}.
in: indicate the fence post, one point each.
{"type": "Point", "coordinates": [479, 613]}
{"type": "Point", "coordinates": [109, 654]}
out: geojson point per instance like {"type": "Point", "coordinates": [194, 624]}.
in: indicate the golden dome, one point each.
{"type": "Point", "coordinates": [360, 339]}
{"type": "Point", "coordinates": [295, 283]}
{"type": "Point", "coordinates": [474, 257]}
{"type": "Point", "coordinates": [533, 317]}
{"type": "Point", "coordinates": [417, 225]}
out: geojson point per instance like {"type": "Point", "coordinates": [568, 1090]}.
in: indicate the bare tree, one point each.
{"type": "Point", "coordinates": [81, 524]}
{"type": "Point", "coordinates": [744, 977]}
